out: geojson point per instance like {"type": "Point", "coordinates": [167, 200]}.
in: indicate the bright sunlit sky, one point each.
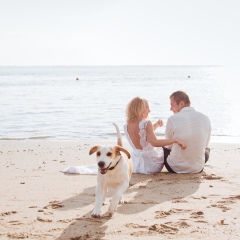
{"type": "Point", "coordinates": [119, 32]}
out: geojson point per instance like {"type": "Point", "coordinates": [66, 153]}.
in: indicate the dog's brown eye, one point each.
{"type": "Point", "coordinates": [109, 154]}
{"type": "Point", "coordinates": [98, 154]}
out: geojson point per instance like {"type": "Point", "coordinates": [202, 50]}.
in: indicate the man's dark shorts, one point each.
{"type": "Point", "coordinates": [166, 152]}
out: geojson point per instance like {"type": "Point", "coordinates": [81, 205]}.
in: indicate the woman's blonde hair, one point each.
{"type": "Point", "coordinates": [135, 108]}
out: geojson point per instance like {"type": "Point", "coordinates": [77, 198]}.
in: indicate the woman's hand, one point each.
{"type": "Point", "coordinates": [159, 123]}
{"type": "Point", "coordinates": [181, 144]}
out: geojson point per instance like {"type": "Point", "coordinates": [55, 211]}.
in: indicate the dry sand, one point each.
{"type": "Point", "coordinates": [37, 201]}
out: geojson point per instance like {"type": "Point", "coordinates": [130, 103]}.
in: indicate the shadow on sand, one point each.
{"type": "Point", "coordinates": [140, 192]}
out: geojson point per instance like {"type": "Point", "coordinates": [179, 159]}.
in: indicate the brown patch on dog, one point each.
{"type": "Point", "coordinates": [93, 149]}
{"type": "Point", "coordinates": [121, 149]}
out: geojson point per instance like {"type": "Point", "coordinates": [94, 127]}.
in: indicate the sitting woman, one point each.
{"type": "Point", "coordinates": [147, 152]}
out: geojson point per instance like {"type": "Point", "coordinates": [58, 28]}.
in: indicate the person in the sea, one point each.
{"type": "Point", "coordinates": [147, 152]}
{"type": "Point", "coordinates": [194, 128]}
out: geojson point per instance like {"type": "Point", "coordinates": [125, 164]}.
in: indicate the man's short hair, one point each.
{"type": "Point", "coordinates": [179, 96]}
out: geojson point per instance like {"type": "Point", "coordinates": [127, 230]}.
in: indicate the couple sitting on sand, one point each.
{"type": "Point", "coordinates": [185, 149]}
{"type": "Point", "coordinates": [187, 137]}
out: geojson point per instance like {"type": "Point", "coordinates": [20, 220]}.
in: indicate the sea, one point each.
{"type": "Point", "coordinates": [75, 103]}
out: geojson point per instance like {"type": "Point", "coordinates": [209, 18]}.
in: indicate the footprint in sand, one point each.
{"type": "Point", "coordinates": [54, 205]}
{"type": "Point", "coordinates": [152, 230]}
{"type": "Point", "coordinates": [180, 224]}
{"type": "Point", "coordinates": [7, 213]}
{"type": "Point", "coordinates": [211, 177]}
{"type": "Point", "coordinates": [66, 220]}
{"type": "Point", "coordinates": [43, 220]}
{"type": "Point", "coordinates": [18, 235]}
{"type": "Point", "coordinates": [179, 200]}
{"type": "Point", "coordinates": [163, 214]}
{"type": "Point", "coordinates": [198, 214]}
{"type": "Point", "coordinates": [235, 197]}
{"type": "Point", "coordinates": [139, 232]}
{"type": "Point", "coordinates": [166, 228]}
{"type": "Point", "coordinates": [16, 223]}
{"type": "Point", "coordinates": [133, 225]}
{"type": "Point", "coordinates": [223, 204]}
{"type": "Point", "coordinates": [48, 213]}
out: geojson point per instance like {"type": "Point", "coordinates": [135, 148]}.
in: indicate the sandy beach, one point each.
{"type": "Point", "coordinates": [38, 201]}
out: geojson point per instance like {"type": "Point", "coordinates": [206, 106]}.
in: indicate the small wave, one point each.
{"type": "Point", "coordinates": [31, 138]}
{"type": "Point", "coordinates": [12, 138]}
{"type": "Point", "coordinates": [39, 137]}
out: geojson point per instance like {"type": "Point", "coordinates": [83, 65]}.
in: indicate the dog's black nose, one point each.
{"type": "Point", "coordinates": [101, 164]}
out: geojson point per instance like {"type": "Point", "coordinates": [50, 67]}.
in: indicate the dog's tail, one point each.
{"type": "Point", "coordinates": [119, 135]}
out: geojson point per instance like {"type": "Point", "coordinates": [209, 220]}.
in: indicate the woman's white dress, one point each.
{"type": "Point", "coordinates": [148, 160]}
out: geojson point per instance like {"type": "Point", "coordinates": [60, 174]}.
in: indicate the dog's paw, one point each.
{"type": "Point", "coordinates": [112, 210]}
{"type": "Point", "coordinates": [121, 201]}
{"type": "Point", "coordinates": [110, 214]}
{"type": "Point", "coordinates": [95, 213]}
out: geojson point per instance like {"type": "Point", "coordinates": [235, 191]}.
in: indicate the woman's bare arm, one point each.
{"type": "Point", "coordinates": [151, 137]}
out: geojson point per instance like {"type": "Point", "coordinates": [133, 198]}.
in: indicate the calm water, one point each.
{"type": "Point", "coordinates": [48, 102]}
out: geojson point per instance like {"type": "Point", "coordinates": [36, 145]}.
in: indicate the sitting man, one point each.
{"type": "Point", "coordinates": [192, 127]}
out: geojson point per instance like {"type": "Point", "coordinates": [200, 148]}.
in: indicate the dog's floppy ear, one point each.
{"type": "Point", "coordinates": [93, 150]}
{"type": "Point", "coordinates": [121, 149]}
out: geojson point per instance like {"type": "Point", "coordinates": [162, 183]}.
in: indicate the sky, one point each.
{"type": "Point", "coordinates": [119, 32]}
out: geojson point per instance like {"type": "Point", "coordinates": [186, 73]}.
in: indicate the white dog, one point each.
{"type": "Point", "coordinates": [115, 171]}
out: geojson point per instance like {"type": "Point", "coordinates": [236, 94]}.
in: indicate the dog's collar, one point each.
{"type": "Point", "coordinates": [111, 168]}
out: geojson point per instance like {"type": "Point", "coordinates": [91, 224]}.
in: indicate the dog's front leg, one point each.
{"type": "Point", "coordinates": [104, 194]}
{"type": "Point", "coordinates": [98, 201]}
{"type": "Point", "coordinates": [117, 196]}
{"type": "Point", "coordinates": [100, 195]}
